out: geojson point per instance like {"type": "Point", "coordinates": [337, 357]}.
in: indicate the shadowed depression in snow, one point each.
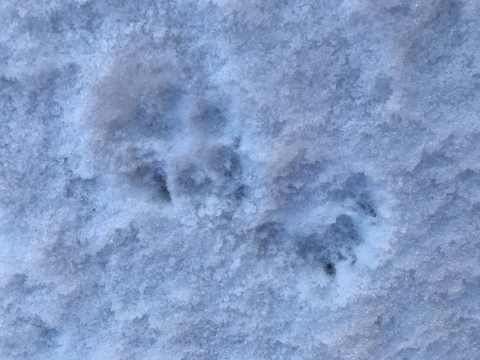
{"type": "Point", "coordinates": [239, 179]}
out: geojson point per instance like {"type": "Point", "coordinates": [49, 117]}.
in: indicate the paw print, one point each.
{"type": "Point", "coordinates": [356, 214]}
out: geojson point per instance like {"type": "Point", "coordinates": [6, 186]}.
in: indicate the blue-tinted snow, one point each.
{"type": "Point", "coordinates": [239, 179]}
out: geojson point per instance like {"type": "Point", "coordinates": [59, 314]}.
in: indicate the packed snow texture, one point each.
{"type": "Point", "coordinates": [239, 179]}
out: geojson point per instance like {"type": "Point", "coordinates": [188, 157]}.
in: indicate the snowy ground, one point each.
{"type": "Point", "coordinates": [239, 179]}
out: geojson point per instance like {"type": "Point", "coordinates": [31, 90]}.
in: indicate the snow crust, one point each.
{"type": "Point", "coordinates": [239, 179]}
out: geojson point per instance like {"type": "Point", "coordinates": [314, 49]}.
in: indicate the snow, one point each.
{"type": "Point", "coordinates": [239, 179]}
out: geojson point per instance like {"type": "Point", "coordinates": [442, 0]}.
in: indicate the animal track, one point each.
{"type": "Point", "coordinates": [225, 162]}
{"type": "Point", "coordinates": [159, 135]}
{"type": "Point", "coordinates": [356, 191]}
{"type": "Point", "coordinates": [335, 244]}
{"type": "Point", "coordinates": [151, 176]}
{"type": "Point", "coordinates": [193, 181]}
{"type": "Point", "coordinates": [207, 118]}
{"type": "Point", "coordinates": [329, 244]}
{"type": "Point", "coordinates": [183, 151]}
{"type": "Point", "coordinates": [158, 116]}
